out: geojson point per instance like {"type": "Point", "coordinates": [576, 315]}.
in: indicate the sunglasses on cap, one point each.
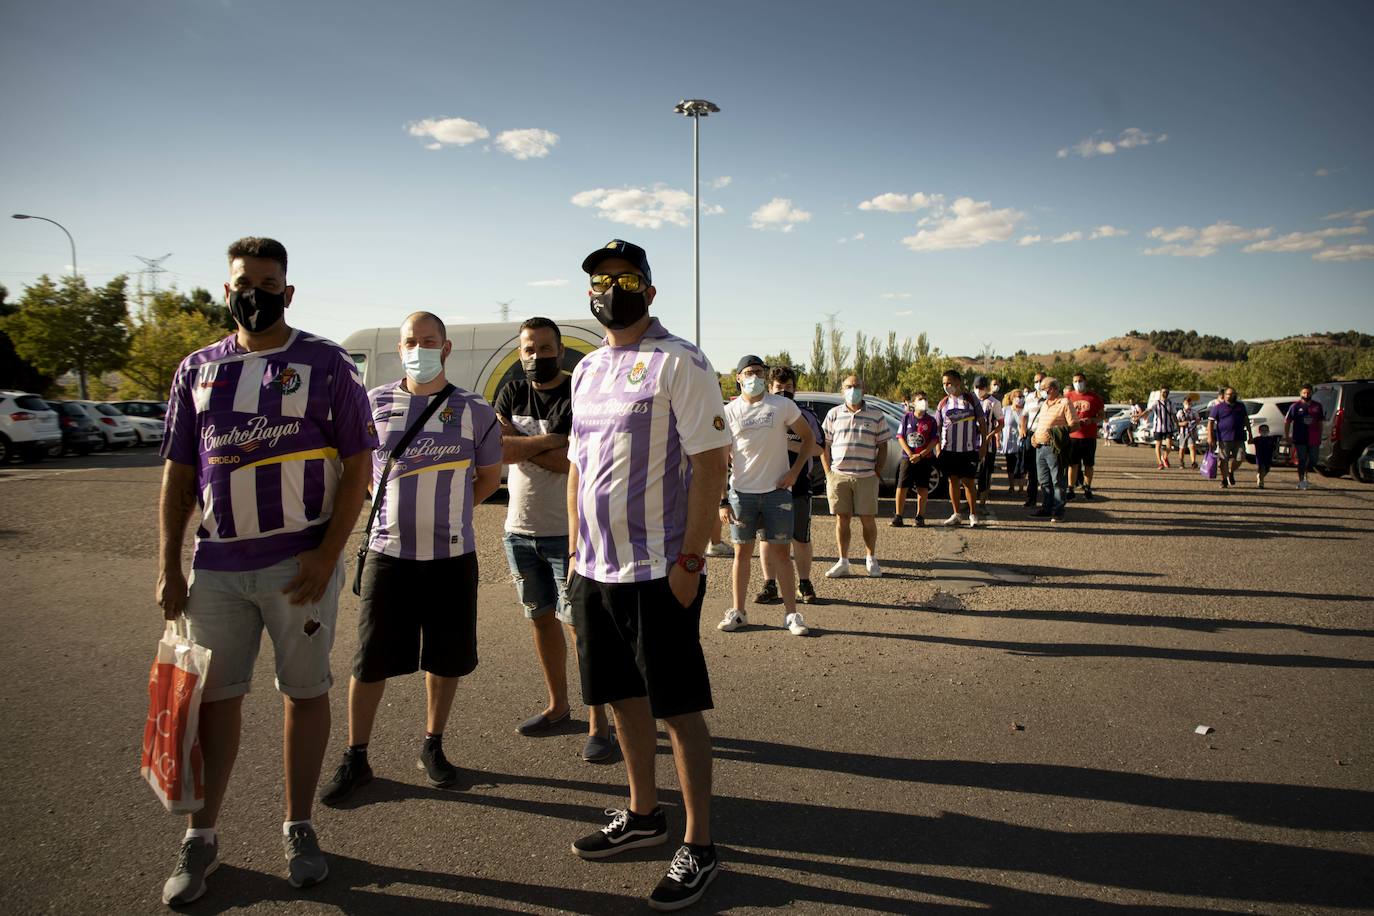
{"type": "Point", "coordinates": [631, 283]}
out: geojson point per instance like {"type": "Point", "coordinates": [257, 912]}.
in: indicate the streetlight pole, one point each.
{"type": "Point", "coordinates": [696, 109]}
{"type": "Point", "coordinates": [59, 226]}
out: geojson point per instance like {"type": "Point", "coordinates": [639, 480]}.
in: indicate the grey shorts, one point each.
{"type": "Point", "coordinates": [227, 611]}
{"type": "Point", "coordinates": [1230, 450]}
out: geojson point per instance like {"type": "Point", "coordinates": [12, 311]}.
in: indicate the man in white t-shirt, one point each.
{"type": "Point", "coordinates": [759, 497]}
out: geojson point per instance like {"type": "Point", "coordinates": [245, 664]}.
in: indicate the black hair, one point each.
{"type": "Point", "coordinates": [534, 324]}
{"type": "Point", "coordinates": [253, 246]}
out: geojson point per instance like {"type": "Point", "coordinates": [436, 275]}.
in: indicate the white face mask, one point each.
{"type": "Point", "coordinates": [1080, 387]}
{"type": "Point", "coordinates": [950, 390]}
{"type": "Point", "coordinates": [752, 386]}
{"type": "Point", "coordinates": [422, 364]}
{"type": "Point", "coordinates": [1038, 383]}
{"type": "Point", "coordinates": [853, 396]}
{"type": "Point", "coordinates": [996, 388]}
{"type": "Point", "coordinates": [921, 405]}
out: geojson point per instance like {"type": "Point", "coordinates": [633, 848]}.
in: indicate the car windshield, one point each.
{"type": "Point", "coordinates": [67, 408]}
{"type": "Point", "coordinates": [31, 402]}
{"type": "Point", "coordinates": [108, 410]}
{"type": "Point", "coordinates": [1252, 407]}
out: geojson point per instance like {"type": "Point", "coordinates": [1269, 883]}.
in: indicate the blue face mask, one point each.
{"type": "Point", "coordinates": [753, 386]}
{"type": "Point", "coordinates": [422, 364]}
{"type": "Point", "coordinates": [854, 396]}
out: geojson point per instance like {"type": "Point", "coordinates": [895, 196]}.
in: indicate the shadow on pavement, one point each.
{"type": "Point", "coordinates": [1192, 624]}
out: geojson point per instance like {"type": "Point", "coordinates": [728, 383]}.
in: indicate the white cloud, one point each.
{"type": "Point", "coordinates": [721, 182]}
{"type": "Point", "coordinates": [645, 208]}
{"type": "Point", "coordinates": [1303, 241]}
{"type": "Point", "coordinates": [905, 313]}
{"type": "Point", "coordinates": [448, 131]}
{"type": "Point", "coordinates": [1203, 242]}
{"type": "Point", "coordinates": [434, 146]}
{"type": "Point", "coordinates": [1346, 253]}
{"type": "Point", "coordinates": [1067, 237]}
{"type": "Point", "coordinates": [966, 223]}
{"type": "Point", "coordinates": [903, 203]}
{"type": "Point", "coordinates": [1108, 232]}
{"type": "Point", "coordinates": [856, 237]}
{"type": "Point", "coordinates": [895, 296]}
{"type": "Point", "coordinates": [1322, 173]}
{"type": "Point", "coordinates": [778, 213]}
{"type": "Point", "coordinates": [550, 283]}
{"type": "Point", "coordinates": [1356, 216]}
{"type": "Point", "coordinates": [1025, 240]}
{"type": "Point", "coordinates": [527, 143]}
{"type": "Point", "coordinates": [1097, 145]}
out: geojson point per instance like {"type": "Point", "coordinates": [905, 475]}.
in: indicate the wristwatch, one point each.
{"type": "Point", "coordinates": [691, 562]}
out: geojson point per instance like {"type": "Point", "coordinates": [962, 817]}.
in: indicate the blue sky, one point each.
{"type": "Point", "coordinates": [907, 165]}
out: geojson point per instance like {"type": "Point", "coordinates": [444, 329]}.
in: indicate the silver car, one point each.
{"type": "Point", "coordinates": [821, 402]}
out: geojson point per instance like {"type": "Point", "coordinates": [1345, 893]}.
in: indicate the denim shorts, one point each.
{"type": "Point", "coordinates": [769, 513]}
{"type": "Point", "coordinates": [540, 568]}
{"type": "Point", "coordinates": [227, 611]}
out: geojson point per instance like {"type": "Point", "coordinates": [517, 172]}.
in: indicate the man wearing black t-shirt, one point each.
{"type": "Point", "coordinates": [782, 380]}
{"type": "Point", "coordinates": [536, 416]}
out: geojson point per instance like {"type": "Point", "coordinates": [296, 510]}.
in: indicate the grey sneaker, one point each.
{"type": "Point", "coordinates": [305, 864]}
{"type": "Point", "coordinates": [187, 883]}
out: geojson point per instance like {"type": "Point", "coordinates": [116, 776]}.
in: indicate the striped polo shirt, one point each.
{"type": "Point", "coordinates": [639, 412]}
{"type": "Point", "coordinates": [1162, 417]}
{"type": "Point", "coordinates": [854, 437]}
{"type": "Point", "coordinates": [427, 511]}
{"type": "Point", "coordinates": [267, 431]}
{"type": "Point", "coordinates": [959, 416]}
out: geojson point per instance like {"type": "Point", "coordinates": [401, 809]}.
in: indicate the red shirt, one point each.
{"type": "Point", "coordinates": [1088, 407]}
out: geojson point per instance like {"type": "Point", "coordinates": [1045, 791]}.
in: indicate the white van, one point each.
{"type": "Point", "coordinates": [484, 356]}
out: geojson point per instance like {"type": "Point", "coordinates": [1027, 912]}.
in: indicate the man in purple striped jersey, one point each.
{"type": "Point", "coordinates": [419, 583]}
{"type": "Point", "coordinates": [268, 431]}
{"type": "Point", "coordinates": [647, 451]}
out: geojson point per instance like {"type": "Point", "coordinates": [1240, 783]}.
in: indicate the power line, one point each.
{"type": "Point", "coordinates": [151, 268]}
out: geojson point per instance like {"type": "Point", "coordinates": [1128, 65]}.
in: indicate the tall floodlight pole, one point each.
{"type": "Point", "coordinates": [696, 109]}
{"type": "Point", "coordinates": [59, 226]}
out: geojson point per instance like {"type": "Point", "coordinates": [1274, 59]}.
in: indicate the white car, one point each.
{"type": "Point", "coordinates": [1270, 411]}
{"type": "Point", "coordinates": [147, 431]}
{"type": "Point", "coordinates": [28, 427]}
{"type": "Point", "coordinates": [113, 425]}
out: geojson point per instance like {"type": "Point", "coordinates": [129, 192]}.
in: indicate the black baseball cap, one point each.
{"type": "Point", "coordinates": [746, 361]}
{"type": "Point", "coordinates": [619, 248]}
{"type": "Point", "coordinates": [980, 382]}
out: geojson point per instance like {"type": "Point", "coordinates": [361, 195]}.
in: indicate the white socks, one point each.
{"type": "Point", "coordinates": [287, 825]}
{"type": "Point", "coordinates": [208, 834]}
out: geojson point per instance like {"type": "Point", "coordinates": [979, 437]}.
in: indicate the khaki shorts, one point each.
{"type": "Point", "coordinates": [850, 495]}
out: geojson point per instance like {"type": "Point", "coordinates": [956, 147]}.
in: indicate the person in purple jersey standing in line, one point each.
{"type": "Point", "coordinates": [648, 451]}
{"type": "Point", "coordinates": [419, 582]}
{"type": "Point", "coordinates": [1303, 426]}
{"type": "Point", "coordinates": [268, 433]}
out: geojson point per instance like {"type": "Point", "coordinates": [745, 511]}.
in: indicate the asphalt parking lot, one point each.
{"type": "Point", "coordinates": [1005, 722]}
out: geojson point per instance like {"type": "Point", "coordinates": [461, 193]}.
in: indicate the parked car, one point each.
{"type": "Point", "coordinates": [1269, 411]}
{"type": "Point", "coordinates": [113, 425]}
{"type": "Point", "coordinates": [80, 434]}
{"type": "Point", "coordinates": [1349, 427]}
{"type": "Point", "coordinates": [148, 430]}
{"type": "Point", "coordinates": [28, 427]}
{"type": "Point", "coordinates": [820, 403]}
{"type": "Point", "coordinates": [1363, 468]}
{"type": "Point", "coordinates": [153, 410]}
{"type": "Point", "coordinates": [1117, 427]}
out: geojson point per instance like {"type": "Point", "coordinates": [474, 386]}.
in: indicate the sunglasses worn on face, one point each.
{"type": "Point", "coordinates": [631, 283]}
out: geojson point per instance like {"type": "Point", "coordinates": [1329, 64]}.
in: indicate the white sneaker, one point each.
{"type": "Point", "coordinates": [839, 570]}
{"type": "Point", "coordinates": [733, 621]}
{"type": "Point", "coordinates": [796, 625]}
{"type": "Point", "coordinates": [719, 549]}
{"type": "Point", "coordinates": [952, 520]}
{"type": "Point", "coordinates": [874, 570]}
{"type": "Point", "coordinates": [1303, 485]}
{"type": "Point", "coordinates": [973, 521]}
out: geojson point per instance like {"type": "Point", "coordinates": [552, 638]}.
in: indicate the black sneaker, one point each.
{"type": "Point", "coordinates": [769, 594]}
{"type": "Point", "coordinates": [1068, 495]}
{"type": "Point", "coordinates": [1232, 478]}
{"type": "Point", "coordinates": [1223, 482]}
{"type": "Point", "coordinates": [352, 774]}
{"type": "Point", "coordinates": [625, 831]}
{"type": "Point", "coordinates": [1029, 504]}
{"type": "Point", "coordinates": [441, 773]}
{"type": "Point", "coordinates": [920, 521]}
{"type": "Point", "coordinates": [897, 522]}
{"type": "Point", "coordinates": [806, 592]}
{"type": "Point", "coordinates": [687, 879]}
{"type": "Point", "coordinates": [1087, 492]}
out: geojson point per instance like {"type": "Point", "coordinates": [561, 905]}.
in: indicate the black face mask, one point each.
{"type": "Point", "coordinates": [255, 309]}
{"type": "Point", "coordinates": [541, 369]}
{"type": "Point", "coordinates": [618, 309]}
{"type": "Point", "coordinates": [790, 395]}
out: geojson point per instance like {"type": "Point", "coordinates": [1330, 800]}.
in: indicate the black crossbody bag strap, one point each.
{"type": "Point", "coordinates": [380, 493]}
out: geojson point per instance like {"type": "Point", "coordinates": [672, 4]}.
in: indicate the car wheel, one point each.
{"type": "Point", "coordinates": [6, 450]}
{"type": "Point", "coordinates": [83, 450]}
{"type": "Point", "coordinates": [33, 453]}
{"type": "Point", "coordinates": [1329, 472]}
{"type": "Point", "coordinates": [56, 451]}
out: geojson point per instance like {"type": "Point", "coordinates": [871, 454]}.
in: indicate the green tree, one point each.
{"type": "Point", "coordinates": [16, 372]}
{"type": "Point", "coordinates": [1279, 369]}
{"type": "Point", "coordinates": [71, 328]}
{"type": "Point", "coordinates": [923, 374]}
{"type": "Point", "coordinates": [215, 311]}
{"type": "Point", "coordinates": [839, 356]}
{"type": "Point", "coordinates": [1019, 371]}
{"type": "Point", "coordinates": [1098, 376]}
{"type": "Point", "coordinates": [167, 329]}
{"type": "Point", "coordinates": [1363, 366]}
{"type": "Point", "coordinates": [817, 375]}
{"type": "Point", "coordinates": [1135, 381]}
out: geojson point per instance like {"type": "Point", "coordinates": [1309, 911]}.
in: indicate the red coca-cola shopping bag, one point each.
{"type": "Point", "coordinates": [171, 748]}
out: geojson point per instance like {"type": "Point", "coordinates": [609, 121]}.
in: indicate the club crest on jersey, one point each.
{"type": "Point", "coordinates": [718, 422]}
{"type": "Point", "coordinates": [446, 416]}
{"type": "Point", "coordinates": [637, 373]}
{"type": "Point", "coordinates": [288, 381]}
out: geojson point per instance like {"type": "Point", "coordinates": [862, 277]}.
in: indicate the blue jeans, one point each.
{"type": "Point", "coordinates": [1307, 458]}
{"type": "Point", "coordinates": [769, 513]}
{"type": "Point", "coordinates": [540, 568]}
{"type": "Point", "coordinates": [1051, 480]}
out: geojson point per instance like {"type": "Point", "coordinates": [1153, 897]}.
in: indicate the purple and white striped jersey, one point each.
{"type": "Point", "coordinates": [267, 431]}
{"type": "Point", "coordinates": [959, 416]}
{"type": "Point", "coordinates": [638, 413]}
{"type": "Point", "coordinates": [427, 511]}
{"type": "Point", "coordinates": [1162, 417]}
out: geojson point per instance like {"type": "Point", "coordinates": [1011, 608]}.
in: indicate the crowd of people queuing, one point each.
{"type": "Point", "coordinates": [620, 474]}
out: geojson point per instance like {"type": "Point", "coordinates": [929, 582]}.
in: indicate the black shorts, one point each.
{"type": "Point", "coordinates": [404, 600]}
{"type": "Point", "coordinates": [801, 519]}
{"type": "Point", "coordinates": [634, 640]}
{"type": "Point", "coordinates": [959, 464]}
{"type": "Point", "coordinates": [1084, 450]}
{"type": "Point", "coordinates": [916, 475]}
